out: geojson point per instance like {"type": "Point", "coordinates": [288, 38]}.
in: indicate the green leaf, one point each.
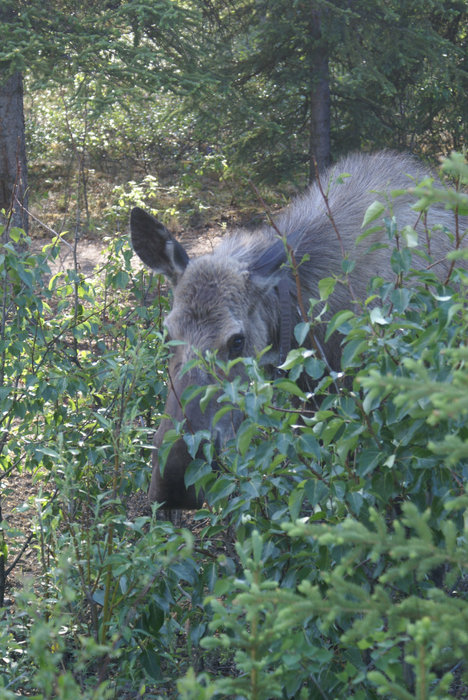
{"type": "Point", "coordinates": [290, 387]}
{"type": "Point", "coordinates": [245, 435]}
{"type": "Point", "coordinates": [150, 661]}
{"type": "Point", "coordinates": [376, 316]}
{"type": "Point", "coordinates": [326, 287]}
{"type": "Point", "coordinates": [295, 502]}
{"type": "Point", "coordinates": [295, 357]}
{"type": "Point", "coordinates": [194, 440]}
{"type": "Point", "coordinates": [211, 391]}
{"type": "Point", "coordinates": [314, 367]}
{"type": "Point", "coordinates": [401, 298]}
{"type": "Point", "coordinates": [300, 332]}
{"type": "Point", "coordinates": [227, 408]}
{"type": "Point", "coordinates": [196, 470]}
{"type": "Point", "coordinates": [316, 491]}
{"type": "Point", "coordinates": [47, 452]}
{"type": "Point", "coordinates": [16, 234]}
{"type": "Point", "coordinates": [410, 236]}
{"type": "Point", "coordinates": [338, 320]}
{"type": "Point", "coordinates": [368, 460]}
{"type": "Point", "coordinates": [373, 212]}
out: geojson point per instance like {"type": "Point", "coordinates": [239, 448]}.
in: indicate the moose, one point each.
{"type": "Point", "coordinates": [242, 298]}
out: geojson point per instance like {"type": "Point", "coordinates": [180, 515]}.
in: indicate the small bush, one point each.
{"type": "Point", "coordinates": [351, 520]}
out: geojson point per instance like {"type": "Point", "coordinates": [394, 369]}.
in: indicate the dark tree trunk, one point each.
{"type": "Point", "coordinates": [319, 131]}
{"type": "Point", "coordinates": [13, 169]}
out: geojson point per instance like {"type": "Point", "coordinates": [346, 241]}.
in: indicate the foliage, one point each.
{"type": "Point", "coordinates": [79, 371]}
{"type": "Point", "coordinates": [348, 566]}
{"type": "Point", "coordinates": [98, 43]}
{"type": "Point", "coordinates": [331, 558]}
{"type": "Point", "coordinates": [120, 158]}
{"type": "Point", "coordinates": [367, 590]}
{"type": "Point", "coordinates": [168, 87]}
{"type": "Point", "coordinates": [397, 79]}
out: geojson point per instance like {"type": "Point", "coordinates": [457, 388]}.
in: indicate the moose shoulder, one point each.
{"type": "Point", "coordinates": [235, 299]}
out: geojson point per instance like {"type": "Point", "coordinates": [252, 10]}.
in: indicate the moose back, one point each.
{"type": "Point", "coordinates": [243, 297]}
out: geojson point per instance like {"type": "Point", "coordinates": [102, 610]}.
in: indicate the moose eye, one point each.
{"type": "Point", "coordinates": [236, 346]}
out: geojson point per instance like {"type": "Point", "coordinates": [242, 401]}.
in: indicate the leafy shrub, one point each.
{"type": "Point", "coordinates": [351, 520]}
{"type": "Point", "coordinates": [81, 368]}
{"type": "Point", "coordinates": [331, 560]}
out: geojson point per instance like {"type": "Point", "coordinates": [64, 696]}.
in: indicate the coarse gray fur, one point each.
{"type": "Point", "coordinates": [233, 297]}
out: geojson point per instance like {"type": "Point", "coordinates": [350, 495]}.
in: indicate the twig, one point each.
{"type": "Point", "coordinates": [20, 554]}
{"type": "Point", "coordinates": [332, 221]}
{"type": "Point", "coordinates": [57, 235]}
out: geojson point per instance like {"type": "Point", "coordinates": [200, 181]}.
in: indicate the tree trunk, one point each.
{"type": "Point", "coordinates": [319, 121]}
{"type": "Point", "coordinates": [13, 167]}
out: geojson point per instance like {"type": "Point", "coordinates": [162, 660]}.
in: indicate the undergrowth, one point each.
{"type": "Point", "coordinates": [348, 571]}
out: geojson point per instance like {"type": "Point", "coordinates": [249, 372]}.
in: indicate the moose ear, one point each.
{"type": "Point", "coordinates": [156, 247]}
{"type": "Point", "coordinates": [270, 261]}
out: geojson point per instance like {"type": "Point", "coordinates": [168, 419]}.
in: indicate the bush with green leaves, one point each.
{"type": "Point", "coordinates": [331, 558]}
{"type": "Point", "coordinates": [351, 520]}
{"type": "Point", "coordinates": [81, 375]}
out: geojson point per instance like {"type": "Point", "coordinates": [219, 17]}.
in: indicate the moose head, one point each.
{"type": "Point", "coordinates": [220, 303]}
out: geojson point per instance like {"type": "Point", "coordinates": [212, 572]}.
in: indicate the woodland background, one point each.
{"type": "Point", "coordinates": [343, 572]}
